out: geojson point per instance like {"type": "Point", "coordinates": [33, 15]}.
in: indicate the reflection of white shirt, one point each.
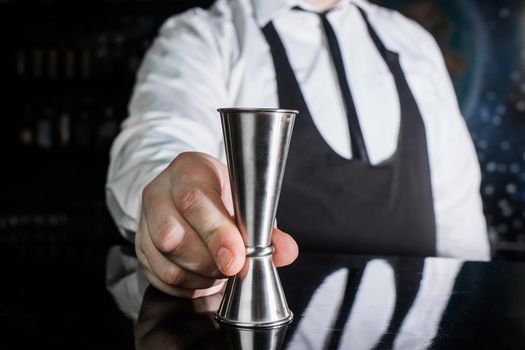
{"type": "Point", "coordinates": [125, 281]}
{"type": "Point", "coordinates": [203, 60]}
{"type": "Point", "coordinates": [374, 305]}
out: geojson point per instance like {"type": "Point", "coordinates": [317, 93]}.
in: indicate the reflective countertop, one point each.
{"type": "Point", "coordinates": [96, 298]}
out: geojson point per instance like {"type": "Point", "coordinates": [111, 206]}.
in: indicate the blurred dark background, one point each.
{"type": "Point", "coordinates": [66, 74]}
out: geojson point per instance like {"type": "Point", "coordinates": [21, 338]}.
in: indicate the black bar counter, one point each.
{"type": "Point", "coordinates": [92, 297]}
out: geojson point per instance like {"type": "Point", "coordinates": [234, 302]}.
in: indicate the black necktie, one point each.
{"type": "Point", "coordinates": [356, 136]}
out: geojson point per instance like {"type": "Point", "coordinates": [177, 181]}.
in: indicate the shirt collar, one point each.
{"type": "Point", "coordinates": [265, 10]}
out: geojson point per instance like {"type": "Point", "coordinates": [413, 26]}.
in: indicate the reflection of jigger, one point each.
{"type": "Point", "coordinates": [238, 338]}
{"type": "Point", "coordinates": [257, 142]}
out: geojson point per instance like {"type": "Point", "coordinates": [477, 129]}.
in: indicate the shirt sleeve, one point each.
{"type": "Point", "coordinates": [180, 84]}
{"type": "Point", "coordinates": [461, 225]}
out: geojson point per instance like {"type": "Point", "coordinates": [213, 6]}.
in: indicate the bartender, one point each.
{"type": "Point", "coordinates": [380, 162]}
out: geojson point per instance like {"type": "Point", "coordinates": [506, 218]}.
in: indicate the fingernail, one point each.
{"type": "Point", "coordinates": [224, 259]}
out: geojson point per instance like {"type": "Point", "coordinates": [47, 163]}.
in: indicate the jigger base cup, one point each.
{"type": "Point", "coordinates": [254, 298]}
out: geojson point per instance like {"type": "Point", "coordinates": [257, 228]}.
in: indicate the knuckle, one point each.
{"type": "Point", "coordinates": [190, 199]}
{"type": "Point", "coordinates": [148, 193]}
{"type": "Point", "coordinates": [174, 276]}
{"type": "Point", "coordinates": [167, 237]}
{"type": "Point", "coordinates": [184, 157]}
{"type": "Point", "coordinates": [189, 166]}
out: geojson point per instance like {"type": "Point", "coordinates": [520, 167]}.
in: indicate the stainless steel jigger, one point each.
{"type": "Point", "coordinates": [257, 142]}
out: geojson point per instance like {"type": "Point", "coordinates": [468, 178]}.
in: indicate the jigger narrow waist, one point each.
{"type": "Point", "coordinates": [253, 252]}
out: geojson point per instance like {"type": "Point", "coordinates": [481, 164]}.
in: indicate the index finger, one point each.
{"type": "Point", "coordinates": [202, 207]}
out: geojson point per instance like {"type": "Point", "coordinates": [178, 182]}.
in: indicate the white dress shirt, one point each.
{"type": "Point", "coordinates": [206, 59]}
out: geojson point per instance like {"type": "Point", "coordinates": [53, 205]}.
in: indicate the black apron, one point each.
{"type": "Point", "coordinates": [329, 203]}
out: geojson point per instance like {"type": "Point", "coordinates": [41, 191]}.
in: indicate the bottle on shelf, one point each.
{"type": "Point", "coordinates": [26, 130]}
{"type": "Point", "coordinates": [44, 129]}
{"type": "Point", "coordinates": [64, 129]}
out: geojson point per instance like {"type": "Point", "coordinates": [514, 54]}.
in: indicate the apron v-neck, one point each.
{"type": "Point", "coordinates": [330, 203]}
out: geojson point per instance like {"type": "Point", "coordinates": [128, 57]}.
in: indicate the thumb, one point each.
{"type": "Point", "coordinates": [286, 249]}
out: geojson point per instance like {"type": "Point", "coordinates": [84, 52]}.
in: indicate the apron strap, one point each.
{"type": "Point", "coordinates": [390, 57]}
{"type": "Point", "coordinates": [287, 84]}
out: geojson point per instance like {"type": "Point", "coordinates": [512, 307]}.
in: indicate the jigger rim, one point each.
{"type": "Point", "coordinates": [256, 110]}
{"type": "Point", "coordinates": [255, 324]}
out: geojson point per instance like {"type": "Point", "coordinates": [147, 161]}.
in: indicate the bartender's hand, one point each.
{"type": "Point", "coordinates": [187, 241]}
